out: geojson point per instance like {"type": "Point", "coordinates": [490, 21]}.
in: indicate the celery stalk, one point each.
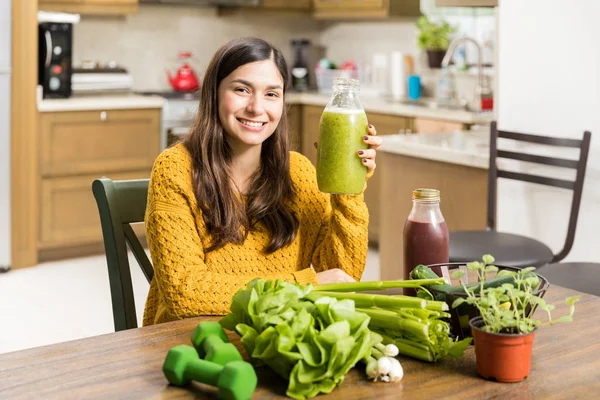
{"type": "Point", "coordinates": [410, 348]}
{"type": "Point", "coordinates": [365, 300]}
{"type": "Point", "coordinates": [377, 285]}
{"type": "Point", "coordinates": [389, 320]}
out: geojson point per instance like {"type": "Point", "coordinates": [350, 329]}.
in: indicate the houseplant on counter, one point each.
{"type": "Point", "coordinates": [505, 330]}
{"type": "Point", "coordinates": [434, 38]}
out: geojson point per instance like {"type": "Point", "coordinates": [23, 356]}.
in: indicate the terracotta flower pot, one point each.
{"type": "Point", "coordinates": [503, 357]}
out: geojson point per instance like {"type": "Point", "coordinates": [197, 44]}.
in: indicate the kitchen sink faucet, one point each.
{"type": "Point", "coordinates": [483, 94]}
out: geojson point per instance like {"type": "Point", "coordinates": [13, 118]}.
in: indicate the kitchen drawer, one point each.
{"type": "Point", "coordinates": [69, 214]}
{"type": "Point", "coordinates": [90, 7]}
{"type": "Point", "coordinates": [84, 142]}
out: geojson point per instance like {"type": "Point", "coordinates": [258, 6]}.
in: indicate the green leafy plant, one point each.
{"type": "Point", "coordinates": [434, 36]}
{"type": "Point", "coordinates": [508, 308]}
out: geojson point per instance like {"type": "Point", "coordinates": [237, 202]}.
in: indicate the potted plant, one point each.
{"type": "Point", "coordinates": [505, 330]}
{"type": "Point", "coordinates": [434, 38]}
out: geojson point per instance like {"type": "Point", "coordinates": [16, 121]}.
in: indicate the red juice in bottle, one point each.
{"type": "Point", "coordinates": [425, 233]}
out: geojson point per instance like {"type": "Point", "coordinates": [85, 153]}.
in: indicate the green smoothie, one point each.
{"type": "Point", "coordinates": [339, 168]}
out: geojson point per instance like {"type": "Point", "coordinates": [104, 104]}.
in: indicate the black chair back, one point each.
{"type": "Point", "coordinates": [576, 186]}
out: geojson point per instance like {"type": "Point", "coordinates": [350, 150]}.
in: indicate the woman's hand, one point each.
{"type": "Point", "coordinates": [368, 156]}
{"type": "Point", "coordinates": [335, 275]}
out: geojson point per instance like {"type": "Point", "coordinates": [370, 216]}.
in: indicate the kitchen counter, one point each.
{"type": "Point", "coordinates": [370, 104]}
{"type": "Point", "coordinates": [100, 102]}
{"type": "Point", "coordinates": [385, 106]}
{"type": "Point", "coordinates": [469, 148]}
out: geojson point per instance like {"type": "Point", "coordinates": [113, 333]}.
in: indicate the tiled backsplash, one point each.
{"type": "Point", "coordinates": [147, 42]}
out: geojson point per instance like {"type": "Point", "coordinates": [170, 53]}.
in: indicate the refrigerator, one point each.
{"type": "Point", "coordinates": [5, 71]}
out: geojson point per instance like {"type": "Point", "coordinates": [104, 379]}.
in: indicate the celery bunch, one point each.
{"type": "Point", "coordinates": [418, 327]}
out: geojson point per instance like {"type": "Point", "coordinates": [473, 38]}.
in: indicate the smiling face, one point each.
{"type": "Point", "coordinates": [251, 104]}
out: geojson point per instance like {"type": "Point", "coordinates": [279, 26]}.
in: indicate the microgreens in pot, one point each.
{"type": "Point", "coordinates": [509, 307]}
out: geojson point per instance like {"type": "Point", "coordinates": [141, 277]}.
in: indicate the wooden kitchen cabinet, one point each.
{"type": "Point", "coordinates": [386, 125]}
{"type": "Point", "coordinates": [69, 214]}
{"type": "Point", "coordinates": [77, 147]}
{"type": "Point", "coordinates": [90, 7]}
{"type": "Point", "coordinates": [311, 116]}
{"type": "Point", "coordinates": [361, 9]}
{"type": "Point", "coordinates": [82, 142]}
{"type": "Point", "coordinates": [464, 201]}
{"type": "Point", "coordinates": [295, 126]}
{"type": "Point", "coordinates": [286, 4]}
{"type": "Point", "coordinates": [428, 125]}
{"type": "Point", "coordinates": [466, 3]}
{"type": "Point", "coordinates": [279, 6]}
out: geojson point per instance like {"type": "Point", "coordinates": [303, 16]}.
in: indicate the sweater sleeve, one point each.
{"type": "Point", "coordinates": [186, 284]}
{"type": "Point", "coordinates": [342, 237]}
{"type": "Point", "coordinates": [342, 241]}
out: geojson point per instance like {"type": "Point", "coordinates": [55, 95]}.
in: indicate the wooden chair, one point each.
{"type": "Point", "coordinates": [121, 203]}
{"type": "Point", "coordinates": [580, 276]}
{"type": "Point", "coordinates": [516, 250]}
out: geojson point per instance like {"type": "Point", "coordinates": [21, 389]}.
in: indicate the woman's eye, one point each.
{"type": "Point", "coordinates": [273, 94]}
{"type": "Point", "coordinates": [241, 90]}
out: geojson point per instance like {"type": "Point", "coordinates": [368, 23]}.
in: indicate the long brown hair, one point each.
{"type": "Point", "coordinates": [226, 216]}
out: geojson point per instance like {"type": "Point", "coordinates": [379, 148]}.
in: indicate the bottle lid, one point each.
{"type": "Point", "coordinates": [426, 194]}
{"type": "Point", "coordinates": [346, 83]}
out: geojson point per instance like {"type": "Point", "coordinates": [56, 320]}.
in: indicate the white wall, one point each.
{"type": "Point", "coordinates": [548, 83]}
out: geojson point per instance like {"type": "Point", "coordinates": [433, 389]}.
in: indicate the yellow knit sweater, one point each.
{"type": "Point", "coordinates": [189, 282]}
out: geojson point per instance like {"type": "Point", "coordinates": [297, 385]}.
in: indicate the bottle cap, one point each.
{"type": "Point", "coordinates": [426, 194]}
{"type": "Point", "coordinates": [340, 83]}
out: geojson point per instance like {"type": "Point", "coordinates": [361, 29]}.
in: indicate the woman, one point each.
{"type": "Point", "coordinates": [232, 203]}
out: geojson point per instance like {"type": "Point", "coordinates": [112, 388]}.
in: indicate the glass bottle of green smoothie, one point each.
{"type": "Point", "coordinates": [343, 124]}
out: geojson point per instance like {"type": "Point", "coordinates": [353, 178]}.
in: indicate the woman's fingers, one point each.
{"type": "Point", "coordinates": [369, 153]}
{"type": "Point", "coordinates": [373, 141]}
{"type": "Point", "coordinates": [371, 129]}
{"type": "Point", "coordinates": [369, 163]}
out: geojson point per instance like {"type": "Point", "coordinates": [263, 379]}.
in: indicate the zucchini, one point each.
{"type": "Point", "coordinates": [423, 272]}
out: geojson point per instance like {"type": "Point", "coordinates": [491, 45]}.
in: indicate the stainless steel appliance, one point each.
{"type": "Point", "coordinates": [178, 113]}
{"type": "Point", "coordinates": [101, 78]}
{"type": "Point", "coordinates": [5, 189]}
{"type": "Point", "coordinates": [55, 58]}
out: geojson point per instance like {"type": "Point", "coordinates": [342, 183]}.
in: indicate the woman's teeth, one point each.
{"type": "Point", "coordinates": [251, 124]}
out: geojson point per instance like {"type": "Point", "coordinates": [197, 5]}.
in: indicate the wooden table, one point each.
{"type": "Point", "coordinates": [127, 365]}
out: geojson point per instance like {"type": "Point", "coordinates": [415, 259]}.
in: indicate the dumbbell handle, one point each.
{"type": "Point", "coordinates": [210, 342]}
{"type": "Point", "coordinates": [203, 371]}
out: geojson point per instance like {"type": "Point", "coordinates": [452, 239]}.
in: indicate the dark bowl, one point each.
{"type": "Point", "coordinates": [461, 315]}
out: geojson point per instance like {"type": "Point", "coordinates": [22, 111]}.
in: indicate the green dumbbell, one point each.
{"type": "Point", "coordinates": [236, 380]}
{"type": "Point", "coordinates": [212, 344]}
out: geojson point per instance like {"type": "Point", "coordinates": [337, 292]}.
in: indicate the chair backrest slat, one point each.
{"type": "Point", "coordinates": [576, 186]}
{"type": "Point", "coordinates": [533, 158]}
{"type": "Point", "coordinates": [548, 140]}
{"type": "Point", "coordinates": [542, 180]}
{"type": "Point", "coordinates": [121, 203]}
{"type": "Point", "coordinates": [138, 251]}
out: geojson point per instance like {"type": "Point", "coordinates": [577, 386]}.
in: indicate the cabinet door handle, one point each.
{"type": "Point", "coordinates": [103, 116]}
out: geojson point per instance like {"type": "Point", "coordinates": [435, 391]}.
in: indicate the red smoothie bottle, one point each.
{"type": "Point", "coordinates": [425, 233]}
